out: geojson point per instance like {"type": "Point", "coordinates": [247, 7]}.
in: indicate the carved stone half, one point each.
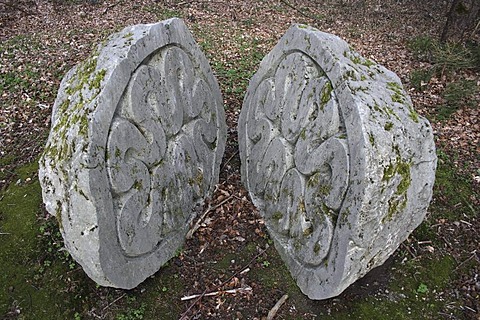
{"type": "Point", "coordinates": [334, 157]}
{"type": "Point", "coordinates": [138, 133]}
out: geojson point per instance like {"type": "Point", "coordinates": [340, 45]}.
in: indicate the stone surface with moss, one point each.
{"type": "Point", "coordinates": [138, 134]}
{"type": "Point", "coordinates": [335, 157]}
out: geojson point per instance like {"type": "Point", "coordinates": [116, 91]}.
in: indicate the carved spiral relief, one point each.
{"type": "Point", "coordinates": [298, 156]}
{"type": "Point", "coordinates": [161, 149]}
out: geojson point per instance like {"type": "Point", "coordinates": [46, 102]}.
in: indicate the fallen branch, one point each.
{"type": "Point", "coordinates": [184, 315]}
{"type": "Point", "coordinates": [204, 214]}
{"type": "Point", "coordinates": [424, 242]}
{"type": "Point", "coordinates": [111, 6]}
{"type": "Point", "coordinates": [276, 307]}
{"type": "Point", "coordinates": [466, 222]}
{"type": "Point", "coordinates": [4, 233]}
{"type": "Point", "coordinates": [473, 255]}
{"type": "Point", "coordinates": [298, 10]}
{"type": "Point", "coordinates": [465, 200]}
{"type": "Point", "coordinates": [216, 293]}
{"type": "Point", "coordinates": [113, 302]}
{"type": "Point", "coordinates": [229, 159]}
{"type": "Point", "coordinates": [475, 30]}
{"type": "Point", "coordinates": [409, 250]}
{"type": "Point", "coordinates": [205, 1]}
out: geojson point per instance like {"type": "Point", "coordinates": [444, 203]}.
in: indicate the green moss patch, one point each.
{"type": "Point", "coordinates": [452, 192]}
{"type": "Point", "coordinates": [19, 250]}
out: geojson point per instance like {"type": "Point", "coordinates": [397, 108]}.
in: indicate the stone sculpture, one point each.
{"type": "Point", "coordinates": [138, 133]}
{"type": "Point", "coordinates": [335, 158]}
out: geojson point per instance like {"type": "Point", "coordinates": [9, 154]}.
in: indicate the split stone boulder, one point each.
{"type": "Point", "coordinates": [334, 157]}
{"type": "Point", "coordinates": [138, 133]}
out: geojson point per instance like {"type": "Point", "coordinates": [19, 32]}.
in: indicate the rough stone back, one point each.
{"type": "Point", "coordinates": [335, 158]}
{"type": "Point", "coordinates": [138, 133]}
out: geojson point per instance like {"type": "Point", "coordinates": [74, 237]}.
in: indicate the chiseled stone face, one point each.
{"type": "Point", "coordinates": [335, 158]}
{"type": "Point", "coordinates": [138, 133]}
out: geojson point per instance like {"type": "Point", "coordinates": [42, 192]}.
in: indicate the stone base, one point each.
{"type": "Point", "coordinates": [138, 134]}
{"type": "Point", "coordinates": [335, 158]}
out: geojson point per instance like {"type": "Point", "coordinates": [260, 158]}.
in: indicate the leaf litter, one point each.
{"type": "Point", "coordinates": [42, 42]}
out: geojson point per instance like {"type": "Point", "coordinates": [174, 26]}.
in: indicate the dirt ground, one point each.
{"type": "Point", "coordinates": [435, 274]}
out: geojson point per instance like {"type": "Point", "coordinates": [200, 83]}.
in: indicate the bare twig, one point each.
{"type": "Point", "coordinates": [216, 293]}
{"type": "Point", "coordinates": [447, 315]}
{"type": "Point", "coordinates": [475, 30]}
{"type": "Point", "coordinates": [226, 162]}
{"type": "Point", "coordinates": [409, 250]}
{"type": "Point", "coordinates": [113, 302]}
{"type": "Point", "coordinates": [276, 307]}
{"type": "Point", "coordinates": [199, 221]}
{"type": "Point", "coordinates": [183, 3]}
{"type": "Point", "coordinates": [424, 242]}
{"type": "Point", "coordinates": [206, 1]}
{"type": "Point", "coordinates": [470, 309]}
{"type": "Point", "coordinates": [4, 233]}
{"type": "Point", "coordinates": [473, 255]}
{"type": "Point", "coordinates": [184, 315]}
{"type": "Point", "coordinates": [112, 6]}
{"type": "Point", "coordinates": [465, 200]}
{"type": "Point", "coordinates": [466, 222]}
{"type": "Point", "coordinates": [298, 10]}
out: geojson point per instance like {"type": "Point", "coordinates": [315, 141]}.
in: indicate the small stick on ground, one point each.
{"type": "Point", "coordinates": [298, 10]}
{"type": "Point", "coordinates": [409, 250]}
{"type": "Point", "coordinates": [216, 293]}
{"type": "Point", "coordinates": [229, 159]}
{"type": "Point", "coordinates": [473, 255]}
{"type": "Point", "coordinates": [113, 302]}
{"type": "Point", "coordinates": [199, 221]}
{"type": "Point", "coordinates": [184, 315]}
{"type": "Point", "coordinates": [276, 307]}
{"type": "Point", "coordinates": [111, 6]}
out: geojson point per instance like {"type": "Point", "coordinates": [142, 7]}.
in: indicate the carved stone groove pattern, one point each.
{"type": "Point", "coordinates": [298, 156]}
{"type": "Point", "coordinates": [165, 164]}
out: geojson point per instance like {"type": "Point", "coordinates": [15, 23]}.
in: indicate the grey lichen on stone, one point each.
{"type": "Point", "coordinates": [334, 157]}
{"type": "Point", "coordinates": [138, 134]}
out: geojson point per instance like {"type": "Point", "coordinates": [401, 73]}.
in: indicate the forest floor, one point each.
{"type": "Point", "coordinates": [435, 274]}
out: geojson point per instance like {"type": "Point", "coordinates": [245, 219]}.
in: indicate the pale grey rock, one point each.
{"type": "Point", "coordinates": [138, 133]}
{"type": "Point", "coordinates": [334, 157]}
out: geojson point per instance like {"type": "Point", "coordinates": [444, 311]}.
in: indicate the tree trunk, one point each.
{"type": "Point", "coordinates": [463, 16]}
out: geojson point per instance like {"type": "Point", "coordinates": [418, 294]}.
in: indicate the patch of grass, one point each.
{"type": "Point", "coordinates": [5, 161]}
{"type": "Point", "coordinates": [457, 94]}
{"type": "Point", "coordinates": [40, 280]}
{"type": "Point", "coordinates": [273, 274]}
{"type": "Point", "coordinates": [422, 47]}
{"type": "Point", "coordinates": [420, 78]}
{"type": "Point", "coordinates": [161, 12]}
{"type": "Point", "coordinates": [133, 313]}
{"type": "Point", "coordinates": [18, 76]}
{"type": "Point", "coordinates": [474, 48]}
{"type": "Point", "coordinates": [414, 292]}
{"type": "Point", "coordinates": [224, 264]}
{"type": "Point", "coordinates": [18, 210]}
{"type": "Point", "coordinates": [451, 192]}
{"type": "Point", "coordinates": [235, 76]}
{"type": "Point", "coordinates": [162, 294]}
{"type": "Point", "coordinates": [17, 81]}
{"type": "Point", "coordinates": [444, 57]}
{"type": "Point", "coordinates": [451, 57]}
{"type": "Point", "coordinates": [233, 73]}
{"type": "Point", "coordinates": [74, 2]}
